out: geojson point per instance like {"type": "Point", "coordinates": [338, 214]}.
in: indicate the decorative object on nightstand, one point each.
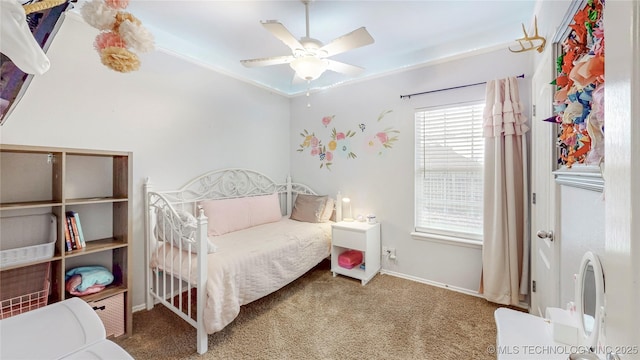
{"type": "Point", "coordinates": [361, 237]}
{"type": "Point", "coordinates": [346, 209]}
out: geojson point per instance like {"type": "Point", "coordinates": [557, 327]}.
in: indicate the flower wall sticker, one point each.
{"type": "Point", "coordinates": [383, 140]}
{"type": "Point", "coordinates": [340, 145]}
{"type": "Point", "coordinates": [316, 148]}
{"type": "Point", "coordinates": [382, 114]}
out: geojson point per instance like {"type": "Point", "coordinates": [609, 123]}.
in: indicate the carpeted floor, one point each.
{"type": "Point", "coordinates": [322, 317]}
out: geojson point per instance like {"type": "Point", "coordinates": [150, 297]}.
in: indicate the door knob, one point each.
{"type": "Point", "coordinates": [545, 234]}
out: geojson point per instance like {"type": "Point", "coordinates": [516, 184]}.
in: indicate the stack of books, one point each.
{"type": "Point", "coordinates": [73, 232]}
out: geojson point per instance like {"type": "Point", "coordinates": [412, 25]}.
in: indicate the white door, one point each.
{"type": "Point", "coordinates": [544, 264]}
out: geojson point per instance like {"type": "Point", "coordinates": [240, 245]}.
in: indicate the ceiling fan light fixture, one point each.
{"type": "Point", "coordinates": [309, 67]}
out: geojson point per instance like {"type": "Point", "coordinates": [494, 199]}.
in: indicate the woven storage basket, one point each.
{"type": "Point", "coordinates": [24, 289]}
{"type": "Point", "coordinates": [111, 312]}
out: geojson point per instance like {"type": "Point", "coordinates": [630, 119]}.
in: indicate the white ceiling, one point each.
{"type": "Point", "coordinates": [407, 33]}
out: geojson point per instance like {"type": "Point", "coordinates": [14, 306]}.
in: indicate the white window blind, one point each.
{"type": "Point", "coordinates": [449, 170]}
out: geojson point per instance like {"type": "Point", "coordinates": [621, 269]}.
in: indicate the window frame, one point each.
{"type": "Point", "coordinates": [441, 235]}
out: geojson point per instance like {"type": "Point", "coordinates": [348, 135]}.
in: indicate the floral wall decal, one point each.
{"type": "Point", "coordinates": [316, 148]}
{"type": "Point", "coordinates": [339, 144]}
{"type": "Point", "coordinates": [382, 114]}
{"type": "Point", "coordinates": [327, 120]}
{"type": "Point", "coordinates": [383, 140]}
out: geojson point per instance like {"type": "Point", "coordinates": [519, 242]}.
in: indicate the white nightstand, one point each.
{"type": "Point", "coordinates": [356, 236]}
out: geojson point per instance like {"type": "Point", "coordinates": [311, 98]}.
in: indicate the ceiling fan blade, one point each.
{"type": "Point", "coordinates": [278, 30]}
{"type": "Point", "coordinates": [276, 60]}
{"type": "Point", "coordinates": [343, 68]}
{"type": "Point", "coordinates": [355, 39]}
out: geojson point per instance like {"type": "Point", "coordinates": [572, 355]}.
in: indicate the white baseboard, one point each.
{"type": "Point", "coordinates": [144, 306]}
{"type": "Point", "coordinates": [432, 283]}
{"type": "Point", "coordinates": [139, 308]}
{"type": "Point", "coordinates": [522, 305]}
{"type": "Point", "coordinates": [402, 276]}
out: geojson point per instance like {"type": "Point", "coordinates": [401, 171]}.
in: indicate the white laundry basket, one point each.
{"type": "Point", "coordinates": [27, 238]}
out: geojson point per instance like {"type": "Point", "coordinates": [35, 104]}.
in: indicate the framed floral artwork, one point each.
{"type": "Point", "coordinates": [580, 84]}
{"type": "Point", "coordinates": [578, 104]}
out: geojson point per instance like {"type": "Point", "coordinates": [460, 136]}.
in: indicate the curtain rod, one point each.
{"type": "Point", "coordinates": [450, 88]}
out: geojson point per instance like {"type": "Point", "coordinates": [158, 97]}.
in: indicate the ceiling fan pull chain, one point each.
{"type": "Point", "coordinates": [308, 93]}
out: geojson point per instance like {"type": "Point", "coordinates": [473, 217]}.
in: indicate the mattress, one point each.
{"type": "Point", "coordinates": [250, 264]}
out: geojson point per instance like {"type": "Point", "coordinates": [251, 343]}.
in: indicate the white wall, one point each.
{"type": "Point", "coordinates": [384, 184]}
{"type": "Point", "coordinates": [550, 15]}
{"type": "Point", "coordinates": [179, 119]}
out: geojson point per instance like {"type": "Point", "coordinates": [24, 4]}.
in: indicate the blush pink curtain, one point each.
{"type": "Point", "coordinates": [505, 251]}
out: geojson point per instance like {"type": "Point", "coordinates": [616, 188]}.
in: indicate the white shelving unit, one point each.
{"type": "Point", "coordinates": [356, 236]}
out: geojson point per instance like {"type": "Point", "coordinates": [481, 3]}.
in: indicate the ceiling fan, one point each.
{"type": "Point", "coordinates": [309, 58]}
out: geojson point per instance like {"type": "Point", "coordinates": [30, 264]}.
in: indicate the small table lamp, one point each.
{"type": "Point", "coordinates": [346, 209]}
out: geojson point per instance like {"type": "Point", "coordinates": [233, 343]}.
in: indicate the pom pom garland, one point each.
{"type": "Point", "coordinates": [96, 14]}
{"type": "Point", "coordinates": [120, 59]}
{"type": "Point", "coordinates": [117, 4]}
{"type": "Point", "coordinates": [108, 39]}
{"type": "Point", "coordinates": [120, 31]}
{"type": "Point", "coordinates": [121, 17]}
{"type": "Point", "coordinates": [138, 37]}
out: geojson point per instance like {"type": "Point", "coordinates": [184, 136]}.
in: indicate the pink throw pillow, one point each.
{"type": "Point", "coordinates": [227, 215]}
{"type": "Point", "coordinates": [264, 209]}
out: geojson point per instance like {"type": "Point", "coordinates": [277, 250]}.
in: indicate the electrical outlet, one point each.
{"type": "Point", "coordinates": [384, 250]}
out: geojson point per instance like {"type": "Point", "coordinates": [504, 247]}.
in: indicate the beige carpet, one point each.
{"type": "Point", "coordinates": [322, 317]}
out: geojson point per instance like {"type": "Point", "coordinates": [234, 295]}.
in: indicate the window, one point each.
{"type": "Point", "coordinates": [449, 170]}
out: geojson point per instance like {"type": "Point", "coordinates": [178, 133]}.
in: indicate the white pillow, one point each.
{"type": "Point", "coordinates": [188, 224]}
{"type": "Point", "coordinates": [327, 214]}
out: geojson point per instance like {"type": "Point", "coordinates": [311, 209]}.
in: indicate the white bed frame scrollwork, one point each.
{"type": "Point", "coordinates": [163, 286]}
